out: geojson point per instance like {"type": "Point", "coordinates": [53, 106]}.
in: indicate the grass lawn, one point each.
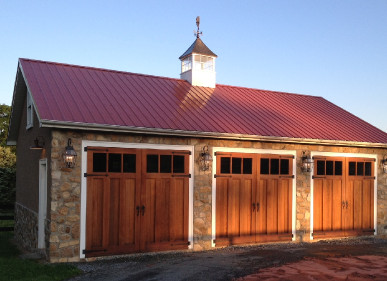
{"type": "Point", "coordinates": [14, 268]}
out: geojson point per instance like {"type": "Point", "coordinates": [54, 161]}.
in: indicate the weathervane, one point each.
{"type": "Point", "coordinates": [198, 33]}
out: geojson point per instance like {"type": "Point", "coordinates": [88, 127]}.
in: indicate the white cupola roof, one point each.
{"type": "Point", "coordinates": [198, 63]}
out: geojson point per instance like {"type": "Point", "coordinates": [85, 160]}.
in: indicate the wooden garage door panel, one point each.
{"type": "Point", "coordinates": [221, 207]}
{"type": "Point", "coordinates": [233, 208]}
{"type": "Point", "coordinates": [272, 206]}
{"type": "Point", "coordinates": [128, 212]}
{"type": "Point", "coordinates": [246, 194]}
{"type": "Point", "coordinates": [337, 200]}
{"type": "Point", "coordinates": [284, 205]}
{"type": "Point", "coordinates": [261, 212]}
{"type": "Point", "coordinates": [95, 211]}
{"type": "Point", "coordinates": [368, 204]}
{"type": "Point", "coordinates": [318, 205]}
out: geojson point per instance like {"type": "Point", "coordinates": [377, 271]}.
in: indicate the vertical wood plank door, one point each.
{"type": "Point", "coordinates": [134, 203]}
{"type": "Point", "coordinates": [164, 200]}
{"type": "Point", "coordinates": [235, 198]}
{"type": "Point", "coordinates": [342, 197]}
{"type": "Point", "coordinates": [252, 204]}
{"type": "Point", "coordinates": [113, 188]}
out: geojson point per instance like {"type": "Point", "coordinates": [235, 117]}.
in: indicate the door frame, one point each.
{"type": "Point", "coordinates": [255, 151]}
{"type": "Point", "coordinates": [86, 143]}
{"type": "Point", "coordinates": [42, 212]}
{"type": "Point", "coordinates": [345, 155]}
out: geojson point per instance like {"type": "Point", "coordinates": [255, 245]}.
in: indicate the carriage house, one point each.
{"type": "Point", "coordinates": [111, 162]}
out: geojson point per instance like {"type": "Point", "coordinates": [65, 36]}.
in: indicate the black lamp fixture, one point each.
{"type": "Point", "coordinates": [38, 143]}
{"type": "Point", "coordinates": [205, 159]}
{"type": "Point", "coordinates": [307, 163]}
{"type": "Point", "coordinates": [69, 156]}
{"type": "Point", "coordinates": [384, 164]}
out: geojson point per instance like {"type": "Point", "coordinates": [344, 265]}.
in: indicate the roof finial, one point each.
{"type": "Point", "coordinates": [198, 33]}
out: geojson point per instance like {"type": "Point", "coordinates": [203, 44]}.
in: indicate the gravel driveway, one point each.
{"type": "Point", "coordinates": [227, 263]}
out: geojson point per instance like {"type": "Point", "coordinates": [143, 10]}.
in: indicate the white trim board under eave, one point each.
{"type": "Point", "coordinates": [347, 155]}
{"type": "Point", "coordinates": [255, 151]}
{"type": "Point", "coordinates": [86, 143]}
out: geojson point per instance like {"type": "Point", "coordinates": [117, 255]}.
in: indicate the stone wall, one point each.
{"type": "Point", "coordinates": [26, 227]}
{"type": "Point", "coordinates": [66, 188]}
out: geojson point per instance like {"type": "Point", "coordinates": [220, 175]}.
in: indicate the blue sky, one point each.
{"type": "Point", "coordinates": [334, 49]}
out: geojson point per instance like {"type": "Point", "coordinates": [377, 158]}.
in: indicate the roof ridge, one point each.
{"type": "Point", "coordinates": [271, 91]}
{"type": "Point", "coordinates": [101, 69]}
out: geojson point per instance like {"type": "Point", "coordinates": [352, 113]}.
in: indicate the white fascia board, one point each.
{"type": "Point", "coordinates": [216, 135]}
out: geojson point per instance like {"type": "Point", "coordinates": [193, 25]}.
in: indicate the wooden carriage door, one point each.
{"type": "Point", "coordinates": [235, 196]}
{"type": "Point", "coordinates": [343, 197]}
{"type": "Point", "coordinates": [253, 200]}
{"type": "Point", "coordinates": [359, 197]}
{"type": "Point", "coordinates": [164, 200]}
{"type": "Point", "coordinates": [274, 198]}
{"type": "Point", "coordinates": [113, 190]}
{"type": "Point", "coordinates": [328, 196]}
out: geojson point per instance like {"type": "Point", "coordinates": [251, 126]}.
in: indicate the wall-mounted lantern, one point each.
{"type": "Point", "coordinates": [307, 163]}
{"type": "Point", "coordinates": [69, 156]}
{"type": "Point", "coordinates": [384, 164]}
{"type": "Point", "coordinates": [38, 143]}
{"type": "Point", "coordinates": [205, 159]}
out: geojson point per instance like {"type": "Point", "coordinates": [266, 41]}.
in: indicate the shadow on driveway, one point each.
{"type": "Point", "coordinates": [229, 263]}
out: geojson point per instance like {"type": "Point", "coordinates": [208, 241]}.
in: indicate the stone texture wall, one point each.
{"type": "Point", "coordinates": [26, 227]}
{"type": "Point", "coordinates": [66, 188]}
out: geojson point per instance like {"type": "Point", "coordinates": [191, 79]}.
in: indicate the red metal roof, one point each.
{"type": "Point", "coordinates": [85, 95]}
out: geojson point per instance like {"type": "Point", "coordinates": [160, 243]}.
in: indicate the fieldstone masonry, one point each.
{"type": "Point", "coordinates": [26, 227]}
{"type": "Point", "coordinates": [64, 220]}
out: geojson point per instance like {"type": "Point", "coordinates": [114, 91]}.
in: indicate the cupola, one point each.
{"type": "Point", "coordinates": [198, 63]}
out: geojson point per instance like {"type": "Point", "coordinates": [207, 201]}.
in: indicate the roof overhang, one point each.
{"type": "Point", "coordinates": [216, 135]}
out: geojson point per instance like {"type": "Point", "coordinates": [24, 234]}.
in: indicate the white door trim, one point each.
{"type": "Point", "coordinates": [86, 143]}
{"type": "Point", "coordinates": [346, 155]}
{"type": "Point", "coordinates": [42, 214]}
{"type": "Point", "coordinates": [255, 151]}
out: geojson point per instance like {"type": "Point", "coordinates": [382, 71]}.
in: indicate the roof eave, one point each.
{"type": "Point", "coordinates": [182, 133]}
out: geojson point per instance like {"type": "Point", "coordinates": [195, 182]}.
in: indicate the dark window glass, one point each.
{"type": "Point", "coordinates": [99, 162]}
{"type": "Point", "coordinates": [129, 163]}
{"type": "Point", "coordinates": [274, 166]}
{"type": "Point", "coordinates": [368, 169]}
{"type": "Point", "coordinates": [284, 166]}
{"type": "Point", "coordinates": [321, 168]}
{"type": "Point", "coordinates": [338, 168]}
{"type": "Point", "coordinates": [165, 163]}
{"type": "Point", "coordinates": [329, 168]}
{"type": "Point", "coordinates": [114, 163]}
{"type": "Point", "coordinates": [152, 163]}
{"type": "Point", "coordinates": [225, 165]}
{"type": "Point", "coordinates": [247, 166]}
{"type": "Point", "coordinates": [236, 165]}
{"type": "Point", "coordinates": [352, 168]}
{"type": "Point", "coordinates": [360, 168]}
{"type": "Point", "coordinates": [178, 164]}
{"type": "Point", "coordinates": [264, 166]}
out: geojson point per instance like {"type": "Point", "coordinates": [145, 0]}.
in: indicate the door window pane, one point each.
{"type": "Point", "coordinates": [264, 166]}
{"type": "Point", "coordinates": [178, 164]}
{"type": "Point", "coordinates": [284, 166]}
{"type": "Point", "coordinates": [352, 168]}
{"type": "Point", "coordinates": [165, 163]}
{"type": "Point", "coordinates": [99, 162]}
{"type": "Point", "coordinates": [247, 166]}
{"type": "Point", "coordinates": [225, 165]}
{"type": "Point", "coordinates": [236, 165]}
{"type": "Point", "coordinates": [274, 166]}
{"type": "Point", "coordinates": [114, 163]}
{"type": "Point", "coordinates": [329, 168]}
{"type": "Point", "coordinates": [338, 168]}
{"type": "Point", "coordinates": [368, 169]}
{"type": "Point", "coordinates": [360, 168]}
{"type": "Point", "coordinates": [129, 165]}
{"type": "Point", "coordinates": [152, 163]}
{"type": "Point", "coordinates": [321, 168]}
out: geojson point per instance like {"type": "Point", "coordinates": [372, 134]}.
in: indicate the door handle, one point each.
{"type": "Point", "coordinates": [138, 210]}
{"type": "Point", "coordinates": [253, 207]}
{"type": "Point", "coordinates": [142, 210]}
{"type": "Point", "coordinates": [343, 203]}
{"type": "Point", "coordinates": [258, 207]}
{"type": "Point", "coordinates": [346, 204]}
